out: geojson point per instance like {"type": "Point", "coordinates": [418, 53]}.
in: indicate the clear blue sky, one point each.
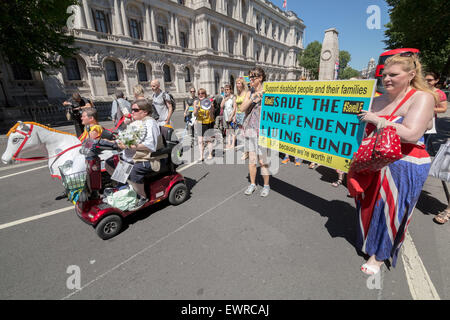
{"type": "Point", "coordinates": [349, 17]}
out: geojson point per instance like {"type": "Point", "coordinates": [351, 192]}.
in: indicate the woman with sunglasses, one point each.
{"type": "Point", "coordinates": [391, 194]}
{"type": "Point", "coordinates": [204, 111]}
{"type": "Point", "coordinates": [252, 106]}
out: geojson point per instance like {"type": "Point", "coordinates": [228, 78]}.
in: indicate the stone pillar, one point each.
{"type": "Point", "coordinates": [148, 25]}
{"type": "Point", "coordinates": [153, 24]}
{"type": "Point", "coordinates": [54, 85]}
{"type": "Point", "coordinates": [192, 42]}
{"type": "Point", "coordinates": [180, 79]}
{"type": "Point", "coordinates": [117, 19]}
{"type": "Point", "coordinates": [208, 34]}
{"type": "Point", "coordinates": [89, 21]}
{"type": "Point", "coordinates": [126, 30]}
{"type": "Point", "coordinates": [177, 31]}
{"type": "Point", "coordinates": [329, 54]}
{"type": "Point", "coordinates": [97, 81]}
{"type": "Point", "coordinates": [130, 80]}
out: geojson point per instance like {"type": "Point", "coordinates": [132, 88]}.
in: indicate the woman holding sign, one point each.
{"type": "Point", "coordinates": [252, 106]}
{"type": "Point", "coordinates": [391, 194]}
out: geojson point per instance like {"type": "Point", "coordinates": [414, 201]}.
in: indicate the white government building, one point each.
{"type": "Point", "coordinates": [187, 43]}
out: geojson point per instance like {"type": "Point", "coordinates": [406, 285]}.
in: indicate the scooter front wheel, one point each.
{"type": "Point", "coordinates": [178, 194]}
{"type": "Point", "coordinates": [109, 227]}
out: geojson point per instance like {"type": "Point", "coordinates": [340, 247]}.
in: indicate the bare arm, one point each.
{"type": "Point", "coordinates": [416, 121]}
{"type": "Point", "coordinates": [246, 103]}
{"type": "Point", "coordinates": [441, 107]}
{"type": "Point", "coordinates": [169, 106]}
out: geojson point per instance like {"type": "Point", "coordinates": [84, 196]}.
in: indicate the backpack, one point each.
{"type": "Point", "coordinates": [172, 101]}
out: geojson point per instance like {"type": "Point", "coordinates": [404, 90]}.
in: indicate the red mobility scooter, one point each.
{"type": "Point", "coordinates": [108, 220]}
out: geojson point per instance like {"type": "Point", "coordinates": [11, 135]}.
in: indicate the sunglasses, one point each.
{"type": "Point", "coordinates": [202, 93]}
{"type": "Point", "coordinates": [135, 110]}
{"type": "Point", "coordinates": [253, 76]}
{"type": "Point", "coordinates": [408, 54]}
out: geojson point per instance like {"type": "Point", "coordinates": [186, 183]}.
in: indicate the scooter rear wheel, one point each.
{"type": "Point", "coordinates": [109, 227]}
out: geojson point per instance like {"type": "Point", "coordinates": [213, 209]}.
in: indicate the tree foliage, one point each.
{"type": "Point", "coordinates": [310, 58]}
{"type": "Point", "coordinates": [32, 32]}
{"type": "Point", "coordinates": [344, 59]}
{"type": "Point", "coordinates": [423, 25]}
{"type": "Point", "coordinates": [347, 73]}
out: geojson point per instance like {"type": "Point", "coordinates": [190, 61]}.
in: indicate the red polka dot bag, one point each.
{"type": "Point", "coordinates": [380, 148]}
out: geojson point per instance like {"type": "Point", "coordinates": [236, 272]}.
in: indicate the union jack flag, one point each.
{"type": "Point", "coordinates": [284, 4]}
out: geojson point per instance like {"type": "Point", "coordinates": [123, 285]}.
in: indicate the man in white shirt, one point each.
{"type": "Point", "coordinates": [161, 103]}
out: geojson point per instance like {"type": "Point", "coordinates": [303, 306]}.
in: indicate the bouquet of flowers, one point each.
{"type": "Point", "coordinates": [133, 134]}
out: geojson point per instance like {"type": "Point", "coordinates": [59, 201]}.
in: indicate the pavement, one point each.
{"type": "Point", "coordinates": [298, 243]}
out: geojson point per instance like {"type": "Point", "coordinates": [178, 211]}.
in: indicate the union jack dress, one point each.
{"type": "Point", "coordinates": [386, 206]}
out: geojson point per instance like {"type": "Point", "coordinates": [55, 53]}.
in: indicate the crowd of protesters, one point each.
{"type": "Point", "coordinates": [237, 113]}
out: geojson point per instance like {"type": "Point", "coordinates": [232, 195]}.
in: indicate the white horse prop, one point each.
{"type": "Point", "coordinates": [63, 148]}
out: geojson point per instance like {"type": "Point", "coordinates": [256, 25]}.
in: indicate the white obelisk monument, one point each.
{"type": "Point", "coordinates": [329, 55]}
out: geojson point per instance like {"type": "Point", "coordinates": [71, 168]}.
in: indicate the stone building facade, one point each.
{"type": "Point", "coordinates": [186, 43]}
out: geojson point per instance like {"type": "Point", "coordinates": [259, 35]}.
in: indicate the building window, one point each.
{"type": "Point", "coordinates": [111, 71]}
{"type": "Point", "coordinates": [161, 33]}
{"type": "Point", "coordinates": [21, 73]}
{"type": "Point", "coordinates": [187, 75]}
{"type": "Point", "coordinates": [167, 75]}
{"type": "Point", "coordinates": [229, 5]}
{"type": "Point", "coordinates": [181, 2]}
{"type": "Point", "coordinates": [216, 82]}
{"type": "Point", "coordinates": [101, 21]}
{"type": "Point", "coordinates": [232, 82]}
{"type": "Point", "coordinates": [183, 40]}
{"type": "Point", "coordinates": [142, 72]}
{"type": "Point", "coordinates": [230, 43]}
{"type": "Point", "coordinates": [135, 29]}
{"type": "Point", "coordinates": [72, 69]}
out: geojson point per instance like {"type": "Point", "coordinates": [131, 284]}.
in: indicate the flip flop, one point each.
{"type": "Point", "coordinates": [442, 217]}
{"type": "Point", "coordinates": [370, 269]}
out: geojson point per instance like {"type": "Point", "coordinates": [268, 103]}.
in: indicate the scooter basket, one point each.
{"type": "Point", "coordinates": [73, 181]}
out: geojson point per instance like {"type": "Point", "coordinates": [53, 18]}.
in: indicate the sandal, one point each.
{"type": "Point", "coordinates": [313, 165]}
{"type": "Point", "coordinates": [337, 183]}
{"type": "Point", "coordinates": [442, 217]}
{"type": "Point", "coordinates": [369, 269]}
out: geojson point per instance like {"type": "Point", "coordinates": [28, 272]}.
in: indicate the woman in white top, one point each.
{"type": "Point", "coordinates": [229, 111]}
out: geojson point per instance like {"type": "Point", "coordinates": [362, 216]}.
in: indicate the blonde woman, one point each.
{"type": "Point", "coordinates": [391, 194]}
{"type": "Point", "coordinates": [204, 112]}
{"type": "Point", "coordinates": [241, 92]}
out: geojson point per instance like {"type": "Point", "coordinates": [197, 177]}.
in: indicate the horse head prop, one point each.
{"type": "Point", "coordinates": [61, 146]}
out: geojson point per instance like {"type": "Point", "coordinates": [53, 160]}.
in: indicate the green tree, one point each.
{"type": "Point", "coordinates": [423, 25]}
{"type": "Point", "coordinates": [33, 32]}
{"type": "Point", "coordinates": [310, 58]}
{"type": "Point", "coordinates": [344, 59]}
{"type": "Point", "coordinates": [348, 73]}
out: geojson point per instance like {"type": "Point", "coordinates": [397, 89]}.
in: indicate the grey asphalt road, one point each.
{"type": "Point", "coordinates": [298, 243]}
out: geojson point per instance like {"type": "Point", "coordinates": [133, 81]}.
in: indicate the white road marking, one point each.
{"type": "Point", "coordinates": [39, 216]}
{"type": "Point", "coordinates": [152, 245]}
{"type": "Point", "coordinates": [419, 281]}
{"type": "Point", "coordinates": [17, 173]}
{"type": "Point", "coordinates": [26, 164]}
{"type": "Point", "coordinates": [44, 215]}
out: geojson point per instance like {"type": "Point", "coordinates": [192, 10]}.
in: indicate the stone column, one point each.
{"type": "Point", "coordinates": [153, 24]}
{"type": "Point", "coordinates": [117, 19]}
{"type": "Point", "coordinates": [89, 20]}
{"type": "Point", "coordinates": [239, 10]}
{"type": "Point", "coordinates": [54, 84]}
{"type": "Point", "coordinates": [177, 31]}
{"type": "Point", "coordinates": [192, 42]}
{"type": "Point", "coordinates": [329, 54]}
{"type": "Point", "coordinates": [130, 80]}
{"type": "Point", "coordinates": [126, 30]}
{"type": "Point", "coordinates": [148, 25]}
{"type": "Point", "coordinates": [208, 34]}
{"type": "Point", "coordinates": [97, 81]}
